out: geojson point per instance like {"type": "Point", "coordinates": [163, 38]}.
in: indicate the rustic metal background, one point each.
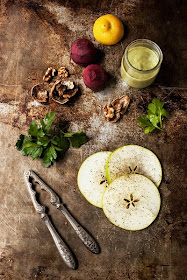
{"type": "Point", "coordinates": [37, 34]}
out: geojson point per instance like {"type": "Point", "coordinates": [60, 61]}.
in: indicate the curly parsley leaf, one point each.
{"type": "Point", "coordinates": [154, 117]}
{"type": "Point", "coordinates": [47, 143]}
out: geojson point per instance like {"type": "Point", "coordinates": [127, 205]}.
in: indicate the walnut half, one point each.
{"type": "Point", "coordinates": [49, 74]}
{"type": "Point", "coordinates": [116, 108]}
{"type": "Point", "coordinates": [40, 93]}
{"type": "Point", "coordinates": [61, 93]}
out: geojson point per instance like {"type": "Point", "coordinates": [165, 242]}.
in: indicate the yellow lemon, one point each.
{"type": "Point", "coordinates": [108, 30]}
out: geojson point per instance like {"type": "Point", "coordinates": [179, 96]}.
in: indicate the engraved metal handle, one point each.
{"type": "Point", "coordinates": [86, 238]}
{"type": "Point", "coordinates": [64, 251]}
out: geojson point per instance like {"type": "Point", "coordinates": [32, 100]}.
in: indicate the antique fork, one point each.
{"type": "Point", "coordinates": [86, 238]}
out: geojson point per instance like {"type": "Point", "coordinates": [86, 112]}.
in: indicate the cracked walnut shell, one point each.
{"type": "Point", "coordinates": [40, 93]}
{"type": "Point", "coordinates": [60, 88]}
{"type": "Point", "coordinates": [61, 93]}
{"type": "Point", "coordinates": [116, 108]}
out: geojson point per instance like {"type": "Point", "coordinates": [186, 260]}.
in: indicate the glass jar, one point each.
{"type": "Point", "coordinates": [141, 63]}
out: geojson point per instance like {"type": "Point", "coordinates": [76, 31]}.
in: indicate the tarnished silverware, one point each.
{"type": "Point", "coordinates": [86, 238]}
{"type": "Point", "coordinates": [63, 249]}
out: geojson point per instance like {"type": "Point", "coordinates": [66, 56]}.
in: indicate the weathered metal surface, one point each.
{"type": "Point", "coordinates": [36, 35]}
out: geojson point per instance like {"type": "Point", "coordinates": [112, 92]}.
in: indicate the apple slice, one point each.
{"type": "Point", "coordinates": [133, 159]}
{"type": "Point", "coordinates": [91, 178]}
{"type": "Point", "coordinates": [131, 202]}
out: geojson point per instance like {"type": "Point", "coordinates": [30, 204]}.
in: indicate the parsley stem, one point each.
{"type": "Point", "coordinates": [160, 128]}
{"type": "Point", "coordinates": [160, 117]}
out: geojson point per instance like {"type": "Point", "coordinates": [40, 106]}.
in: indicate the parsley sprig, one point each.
{"type": "Point", "coordinates": [48, 142]}
{"type": "Point", "coordinates": [154, 117]}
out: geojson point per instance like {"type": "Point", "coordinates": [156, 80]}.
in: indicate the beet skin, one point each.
{"type": "Point", "coordinates": [94, 77]}
{"type": "Point", "coordinates": [83, 52]}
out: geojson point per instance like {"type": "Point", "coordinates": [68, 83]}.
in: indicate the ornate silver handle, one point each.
{"type": "Point", "coordinates": [86, 238]}
{"type": "Point", "coordinates": [64, 251]}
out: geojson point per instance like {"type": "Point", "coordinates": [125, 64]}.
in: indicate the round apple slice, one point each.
{"type": "Point", "coordinates": [131, 202]}
{"type": "Point", "coordinates": [91, 178]}
{"type": "Point", "coordinates": [133, 159]}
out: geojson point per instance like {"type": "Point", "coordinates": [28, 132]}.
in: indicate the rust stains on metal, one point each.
{"type": "Point", "coordinates": [38, 34]}
{"type": "Point", "coordinates": [6, 265]}
{"type": "Point", "coordinates": [47, 17]}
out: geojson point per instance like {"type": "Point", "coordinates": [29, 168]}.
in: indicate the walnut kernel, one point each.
{"type": "Point", "coordinates": [116, 108]}
{"type": "Point", "coordinates": [50, 72]}
{"type": "Point", "coordinates": [62, 72]}
{"type": "Point", "coordinates": [69, 84]}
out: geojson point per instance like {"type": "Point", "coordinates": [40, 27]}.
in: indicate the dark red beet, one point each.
{"type": "Point", "coordinates": [83, 52]}
{"type": "Point", "coordinates": [94, 77]}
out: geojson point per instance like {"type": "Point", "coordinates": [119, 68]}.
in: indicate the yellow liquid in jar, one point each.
{"type": "Point", "coordinates": [142, 59]}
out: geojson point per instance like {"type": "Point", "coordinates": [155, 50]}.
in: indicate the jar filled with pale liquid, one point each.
{"type": "Point", "coordinates": [141, 63]}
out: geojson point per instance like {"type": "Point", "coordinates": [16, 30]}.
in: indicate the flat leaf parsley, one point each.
{"type": "Point", "coordinates": [154, 117]}
{"type": "Point", "coordinates": [48, 142]}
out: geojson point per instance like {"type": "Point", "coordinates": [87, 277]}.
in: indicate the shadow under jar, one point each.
{"type": "Point", "coordinates": [141, 63]}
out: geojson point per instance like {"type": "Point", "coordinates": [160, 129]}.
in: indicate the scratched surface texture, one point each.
{"type": "Point", "coordinates": [37, 34]}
